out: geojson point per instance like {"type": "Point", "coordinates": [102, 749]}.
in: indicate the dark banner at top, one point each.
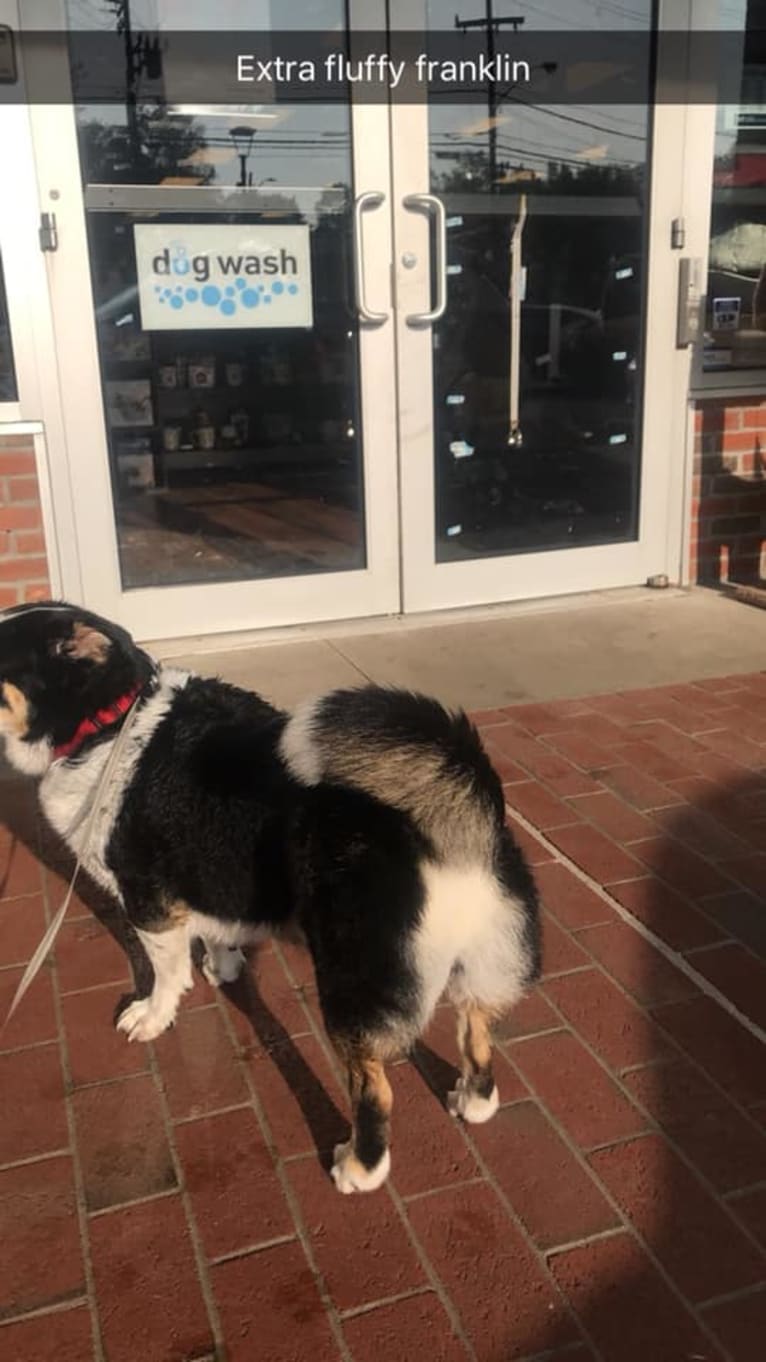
{"type": "Point", "coordinates": [546, 68]}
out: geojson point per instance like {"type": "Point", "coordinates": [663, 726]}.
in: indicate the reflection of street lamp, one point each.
{"type": "Point", "coordinates": [243, 138]}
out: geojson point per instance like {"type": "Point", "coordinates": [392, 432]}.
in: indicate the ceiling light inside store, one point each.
{"type": "Point", "coordinates": [484, 125]}
{"type": "Point", "coordinates": [592, 153]}
{"type": "Point", "coordinates": [208, 156]}
{"type": "Point", "coordinates": [229, 111]}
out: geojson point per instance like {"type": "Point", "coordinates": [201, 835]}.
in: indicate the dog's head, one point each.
{"type": "Point", "coordinates": [59, 665]}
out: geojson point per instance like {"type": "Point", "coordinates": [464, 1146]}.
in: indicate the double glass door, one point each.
{"type": "Point", "coordinates": [324, 360]}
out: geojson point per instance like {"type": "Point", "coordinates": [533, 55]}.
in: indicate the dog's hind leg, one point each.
{"type": "Point", "coordinates": [362, 1165]}
{"type": "Point", "coordinates": [168, 949]}
{"type": "Point", "coordinates": [475, 1098]}
{"type": "Point", "coordinates": [221, 964]}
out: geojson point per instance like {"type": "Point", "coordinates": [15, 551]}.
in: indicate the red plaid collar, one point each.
{"type": "Point", "coordinates": [101, 719]}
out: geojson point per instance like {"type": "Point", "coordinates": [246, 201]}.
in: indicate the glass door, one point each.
{"type": "Point", "coordinates": [221, 294]}
{"type": "Point", "coordinates": [532, 242]}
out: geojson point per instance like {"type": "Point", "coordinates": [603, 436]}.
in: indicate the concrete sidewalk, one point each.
{"type": "Point", "coordinates": [556, 650]}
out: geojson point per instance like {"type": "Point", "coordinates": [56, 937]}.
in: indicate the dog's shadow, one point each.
{"type": "Point", "coordinates": [20, 815]}
{"type": "Point", "coordinates": [437, 1073]}
{"type": "Point", "coordinates": [326, 1124]}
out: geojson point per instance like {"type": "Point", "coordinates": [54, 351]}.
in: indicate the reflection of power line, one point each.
{"type": "Point", "coordinates": [624, 12]}
{"type": "Point", "coordinates": [561, 155]}
{"type": "Point", "coordinates": [559, 19]}
{"type": "Point", "coordinates": [540, 112]}
{"type": "Point", "coordinates": [626, 122]}
{"type": "Point", "coordinates": [619, 11]}
{"type": "Point", "coordinates": [276, 139]}
{"type": "Point", "coordinates": [547, 112]}
{"type": "Point", "coordinates": [570, 118]}
{"type": "Point", "coordinates": [547, 159]}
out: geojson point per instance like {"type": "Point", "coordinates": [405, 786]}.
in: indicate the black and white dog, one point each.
{"type": "Point", "coordinates": [370, 822]}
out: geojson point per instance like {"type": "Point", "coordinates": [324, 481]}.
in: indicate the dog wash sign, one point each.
{"type": "Point", "coordinates": [195, 277]}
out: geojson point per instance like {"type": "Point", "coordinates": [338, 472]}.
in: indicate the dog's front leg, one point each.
{"type": "Point", "coordinates": [168, 948]}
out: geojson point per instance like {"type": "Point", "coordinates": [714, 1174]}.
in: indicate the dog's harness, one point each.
{"type": "Point", "coordinates": [103, 718]}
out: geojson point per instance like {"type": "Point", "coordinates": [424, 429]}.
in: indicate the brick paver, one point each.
{"type": "Point", "coordinates": [171, 1202]}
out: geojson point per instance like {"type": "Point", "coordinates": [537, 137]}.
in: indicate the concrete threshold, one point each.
{"type": "Point", "coordinates": [487, 657]}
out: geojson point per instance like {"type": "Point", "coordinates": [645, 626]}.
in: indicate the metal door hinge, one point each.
{"type": "Point", "coordinates": [49, 236]}
{"type": "Point", "coordinates": [677, 234]}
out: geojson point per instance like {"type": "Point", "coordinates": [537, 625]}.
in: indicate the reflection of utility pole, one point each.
{"type": "Point", "coordinates": [142, 57]}
{"type": "Point", "coordinates": [492, 24]}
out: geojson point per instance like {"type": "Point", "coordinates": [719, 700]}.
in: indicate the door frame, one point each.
{"type": "Point", "coordinates": [680, 137]}
{"type": "Point", "coordinates": [36, 415]}
{"type": "Point", "coordinates": [188, 610]}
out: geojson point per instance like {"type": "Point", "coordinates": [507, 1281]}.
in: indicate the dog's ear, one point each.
{"type": "Point", "coordinates": [84, 644]}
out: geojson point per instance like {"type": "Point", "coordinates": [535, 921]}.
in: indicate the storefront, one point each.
{"type": "Point", "coordinates": [290, 362]}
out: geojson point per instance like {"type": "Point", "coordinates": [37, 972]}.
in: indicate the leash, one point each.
{"type": "Point", "coordinates": [96, 808]}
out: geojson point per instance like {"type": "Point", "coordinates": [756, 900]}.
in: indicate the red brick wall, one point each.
{"type": "Point", "coordinates": [23, 562]}
{"type": "Point", "coordinates": [728, 512]}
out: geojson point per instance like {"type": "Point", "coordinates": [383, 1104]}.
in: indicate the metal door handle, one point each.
{"type": "Point", "coordinates": [515, 434]}
{"type": "Point", "coordinates": [429, 203]}
{"type": "Point", "coordinates": [371, 199]}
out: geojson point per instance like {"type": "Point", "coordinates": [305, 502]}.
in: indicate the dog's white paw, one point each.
{"type": "Point", "coordinates": [222, 965]}
{"type": "Point", "coordinates": [469, 1106]}
{"type": "Point", "coordinates": [349, 1175]}
{"type": "Point", "coordinates": [144, 1020]}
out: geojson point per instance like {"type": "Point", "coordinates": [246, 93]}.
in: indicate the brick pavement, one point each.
{"type": "Point", "coordinates": [171, 1202]}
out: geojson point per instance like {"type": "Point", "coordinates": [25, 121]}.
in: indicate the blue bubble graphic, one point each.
{"type": "Point", "coordinates": [211, 296]}
{"type": "Point", "coordinates": [250, 298]}
{"type": "Point", "coordinates": [192, 294]}
{"type": "Point", "coordinates": [176, 302]}
{"type": "Point", "coordinates": [228, 308]}
{"type": "Point", "coordinates": [166, 293]}
{"type": "Point", "coordinates": [157, 288]}
{"type": "Point", "coordinates": [229, 291]}
{"type": "Point", "coordinates": [181, 265]}
{"type": "Point", "coordinates": [179, 288]}
{"type": "Point", "coordinates": [292, 288]}
{"type": "Point", "coordinates": [261, 288]}
{"type": "Point", "coordinates": [278, 287]}
{"type": "Point", "coordinates": [240, 283]}
{"type": "Point", "coordinates": [267, 299]}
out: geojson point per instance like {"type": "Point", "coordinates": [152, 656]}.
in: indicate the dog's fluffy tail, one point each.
{"type": "Point", "coordinates": [410, 752]}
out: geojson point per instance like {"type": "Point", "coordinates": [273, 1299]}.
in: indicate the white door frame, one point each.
{"type": "Point", "coordinates": [182, 611]}
{"type": "Point", "coordinates": [679, 133]}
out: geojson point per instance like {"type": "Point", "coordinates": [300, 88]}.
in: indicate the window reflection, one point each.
{"type": "Point", "coordinates": [571, 182]}
{"type": "Point", "coordinates": [735, 321]}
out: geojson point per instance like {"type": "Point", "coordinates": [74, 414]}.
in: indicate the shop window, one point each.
{"type": "Point", "coordinates": [735, 314]}
{"type": "Point", "coordinates": [8, 392]}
